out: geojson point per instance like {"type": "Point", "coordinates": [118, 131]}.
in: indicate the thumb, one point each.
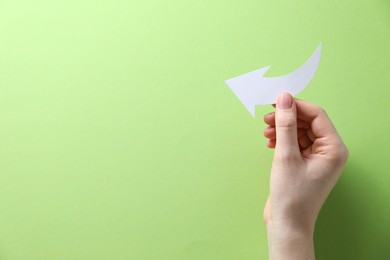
{"type": "Point", "coordinates": [286, 128]}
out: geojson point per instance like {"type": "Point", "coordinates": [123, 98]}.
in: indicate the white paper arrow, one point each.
{"type": "Point", "coordinates": [253, 89]}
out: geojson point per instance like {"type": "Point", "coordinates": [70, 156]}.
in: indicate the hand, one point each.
{"type": "Point", "coordinates": [308, 160]}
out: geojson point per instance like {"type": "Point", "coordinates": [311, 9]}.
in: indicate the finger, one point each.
{"type": "Point", "coordinates": [269, 119]}
{"type": "Point", "coordinates": [304, 141]}
{"type": "Point", "coordinates": [307, 151]}
{"type": "Point", "coordinates": [321, 125]}
{"type": "Point", "coordinates": [271, 143]}
{"type": "Point", "coordinates": [310, 134]}
{"type": "Point", "coordinates": [270, 132]}
{"type": "Point", "coordinates": [286, 127]}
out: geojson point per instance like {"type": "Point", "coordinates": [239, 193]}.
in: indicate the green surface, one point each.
{"type": "Point", "coordinates": [120, 140]}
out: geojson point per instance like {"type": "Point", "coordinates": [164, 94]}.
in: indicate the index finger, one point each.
{"type": "Point", "coordinates": [321, 124]}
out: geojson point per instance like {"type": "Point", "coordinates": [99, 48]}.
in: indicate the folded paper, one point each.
{"type": "Point", "coordinates": [253, 89]}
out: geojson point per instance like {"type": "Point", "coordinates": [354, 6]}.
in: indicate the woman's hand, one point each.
{"type": "Point", "coordinates": [308, 160]}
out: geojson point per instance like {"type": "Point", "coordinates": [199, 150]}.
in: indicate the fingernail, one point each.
{"type": "Point", "coordinates": [284, 101]}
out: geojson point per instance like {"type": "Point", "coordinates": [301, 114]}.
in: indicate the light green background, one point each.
{"type": "Point", "coordinates": [120, 140]}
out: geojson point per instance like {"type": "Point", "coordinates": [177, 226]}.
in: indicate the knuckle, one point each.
{"type": "Point", "coordinates": [286, 121]}
{"type": "Point", "coordinates": [340, 155]}
{"type": "Point", "coordinates": [322, 111]}
{"type": "Point", "coordinates": [344, 153]}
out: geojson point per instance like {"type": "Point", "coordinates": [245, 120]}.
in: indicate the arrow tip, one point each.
{"type": "Point", "coordinates": [245, 86]}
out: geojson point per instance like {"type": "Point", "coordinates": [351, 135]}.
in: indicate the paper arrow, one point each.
{"type": "Point", "coordinates": [253, 89]}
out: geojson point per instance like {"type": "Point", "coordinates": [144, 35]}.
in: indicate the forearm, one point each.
{"type": "Point", "coordinates": [290, 243]}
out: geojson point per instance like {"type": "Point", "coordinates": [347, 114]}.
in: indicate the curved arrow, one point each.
{"type": "Point", "coordinates": [253, 89]}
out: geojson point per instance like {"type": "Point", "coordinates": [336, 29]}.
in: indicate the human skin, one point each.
{"type": "Point", "coordinates": [309, 158]}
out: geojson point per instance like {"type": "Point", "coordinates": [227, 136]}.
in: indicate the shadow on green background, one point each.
{"type": "Point", "coordinates": [350, 225]}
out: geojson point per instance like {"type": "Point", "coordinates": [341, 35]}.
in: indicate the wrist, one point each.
{"type": "Point", "coordinates": [290, 241]}
{"type": "Point", "coordinates": [302, 226]}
